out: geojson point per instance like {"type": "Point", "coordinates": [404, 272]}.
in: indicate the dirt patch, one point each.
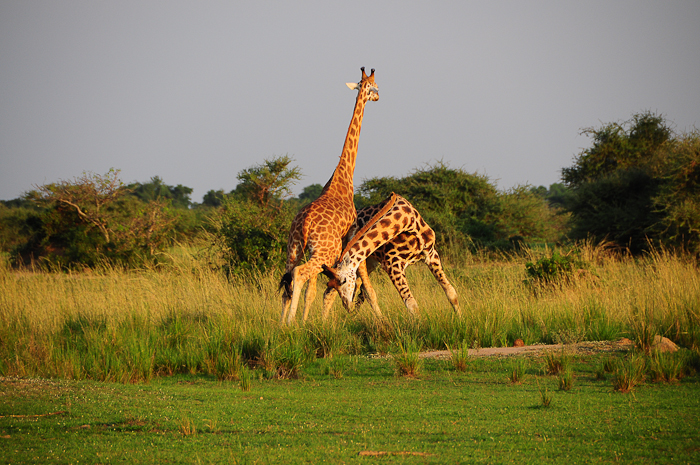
{"type": "Point", "coordinates": [29, 387]}
{"type": "Point", "coordinates": [580, 348]}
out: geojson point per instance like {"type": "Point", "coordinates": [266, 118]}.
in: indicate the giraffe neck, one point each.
{"type": "Point", "coordinates": [382, 228]}
{"type": "Point", "coordinates": [341, 183]}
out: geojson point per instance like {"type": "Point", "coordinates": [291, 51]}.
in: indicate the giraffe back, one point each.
{"type": "Point", "coordinates": [401, 225]}
{"type": "Point", "coordinates": [405, 247]}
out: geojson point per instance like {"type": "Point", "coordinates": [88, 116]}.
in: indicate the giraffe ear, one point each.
{"type": "Point", "coordinates": [352, 85]}
{"type": "Point", "coordinates": [333, 282]}
{"type": "Point", "coordinates": [330, 272]}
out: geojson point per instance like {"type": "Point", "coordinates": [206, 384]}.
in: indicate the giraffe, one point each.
{"type": "Point", "coordinates": [320, 226]}
{"type": "Point", "coordinates": [393, 235]}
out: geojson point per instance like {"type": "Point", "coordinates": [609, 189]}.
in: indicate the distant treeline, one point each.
{"type": "Point", "coordinates": [636, 187]}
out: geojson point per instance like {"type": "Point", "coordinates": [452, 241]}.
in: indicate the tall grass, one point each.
{"type": "Point", "coordinates": [127, 326]}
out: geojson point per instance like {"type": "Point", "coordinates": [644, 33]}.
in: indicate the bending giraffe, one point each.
{"type": "Point", "coordinates": [393, 235]}
{"type": "Point", "coordinates": [320, 226]}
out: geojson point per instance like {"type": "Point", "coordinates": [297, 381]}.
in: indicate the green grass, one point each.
{"type": "Point", "coordinates": [182, 364]}
{"type": "Point", "coordinates": [445, 416]}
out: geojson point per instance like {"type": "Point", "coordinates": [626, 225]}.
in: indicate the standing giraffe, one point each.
{"type": "Point", "coordinates": [394, 235]}
{"type": "Point", "coordinates": [321, 225]}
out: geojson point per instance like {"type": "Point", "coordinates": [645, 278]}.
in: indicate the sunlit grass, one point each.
{"type": "Point", "coordinates": [127, 326]}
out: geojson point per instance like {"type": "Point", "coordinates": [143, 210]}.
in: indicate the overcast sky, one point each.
{"type": "Point", "coordinates": [196, 91]}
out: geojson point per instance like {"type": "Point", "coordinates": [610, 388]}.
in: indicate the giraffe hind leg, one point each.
{"type": "Point", "coordinates": [435, 266]}
{"type": "Point", "coordinates": [397, 273]}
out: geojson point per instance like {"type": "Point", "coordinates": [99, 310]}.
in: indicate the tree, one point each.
{"type": "Point", "coordinates": [18, 223]}
{"type": "Point", "coordinates": [619, 146]}
{"type": "Point", "coordinates": [458, 206]}
{"type": "Point", "coordinates": [678, 198]}
{"type": "Point", "coordinates": [251, 228]}
{"type": "Point", "coordinates": [93, 219]}
{"type": "Point", "coordinates": [156, 189]}
{"type": "Point", "coordinates": [466, 209]}
{"type": "Point", "coordinates": [89, 196]}
{"type": "Point", "coordinates": [310, 193]}
{"type": "Point", "coordinates": [556, 195]}
{"type": "Point", "coordinates": [251, 237]}
{"type": "Point", "coordinates": [213, 198]}
{"type": "Point", "coordinates": [636, 185]}
{"type": "Point", "coordinates": [525, 215]}
{"type": "Point", "coordinates": [455, 204]}
{"type": "Point", "coordinates": [270, 181]}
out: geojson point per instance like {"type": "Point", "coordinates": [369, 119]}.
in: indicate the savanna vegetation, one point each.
{"type": "Point", "coordinates": [143, 307]}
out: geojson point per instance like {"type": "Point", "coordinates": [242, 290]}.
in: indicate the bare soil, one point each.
{"type": "Point", "coordinates": [579, 348]}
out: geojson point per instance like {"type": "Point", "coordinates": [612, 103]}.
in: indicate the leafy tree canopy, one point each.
{"type": "Point", "coordinates": [213, 198]}
{"type": "Point", "coordinates": [637, 185]}
{"type": "Point", "coordinates": [269, 181]}
{"type": "Point", "coordinates": [311, 193]}
{"type": "Point", "coordinates": [437, 188]}
{"type": "Point", "coordinates": [619, 146]}
{"type": "Point", "coordinates": [156, 189]}
{"type": "Point", "coordinates": [556, 195]}
{"type": "Point", "coordinates": [251, 228]}
{"type": "Point", "coordinates": [92, 219]}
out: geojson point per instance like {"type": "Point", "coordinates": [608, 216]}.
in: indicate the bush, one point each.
{"type": "Point", "coordinates": [678, 199]}
{"type": "Point", "coordinates": [250, 237]}
{"type": "Point", "coordinates": [555, 270]}
{"type": "Point", "coordinates": [528, 217]}
{"type": "Point", "coordinates": [250, 229]}
{"type": "Point", "coordinates": [617, 208]}
{"type": "Point", "coordinates": [628, 373]}
{"type": "Point", "coordinates": [91, 221]}
{"type": "Point", "coordinates": [17, 225]}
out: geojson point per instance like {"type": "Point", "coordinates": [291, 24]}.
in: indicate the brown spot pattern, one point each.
{"type": "Point", "coordinates": [320, 226]}
{"type": "Point", "coordinates": [400, 229]}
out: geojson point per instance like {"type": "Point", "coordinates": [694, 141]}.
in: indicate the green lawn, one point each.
{"type": "Point", "coordinates": [444, 416]}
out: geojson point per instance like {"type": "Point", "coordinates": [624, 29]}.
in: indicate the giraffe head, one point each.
{"type": "Point", "coordinates": [366, 86]}
{"type": "Point", "coordinates": [342, 279]}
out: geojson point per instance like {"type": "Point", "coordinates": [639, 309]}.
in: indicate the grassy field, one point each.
{"type": "Point", "coordinates": [116, 325]}
{"type": "Point", "coordinates": [359, 412]}
{"type": "Point", "coordinates": [182, 364]}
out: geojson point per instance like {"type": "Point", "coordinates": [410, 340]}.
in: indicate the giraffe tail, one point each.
{"type": "Point", "coordinates": [286, 285]}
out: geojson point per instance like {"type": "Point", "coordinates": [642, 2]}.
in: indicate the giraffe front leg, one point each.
{"type": "Point", "coordinates": [329, 296]}
{"type": "Point", "coordinates": [309, 295]}
{"type": "Point", "coordinates": [299, 276]}
{"type": "Point", "coordinates": [412, 306]}
{"type": "Point", "coordinates": [363, 273]}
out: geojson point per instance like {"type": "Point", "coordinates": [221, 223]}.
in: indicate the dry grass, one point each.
{"type": "Point", "coordinates": [193, 312]}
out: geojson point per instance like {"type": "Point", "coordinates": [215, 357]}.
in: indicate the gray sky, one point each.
{"type": "Point", "coordinates": [194, 92]}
